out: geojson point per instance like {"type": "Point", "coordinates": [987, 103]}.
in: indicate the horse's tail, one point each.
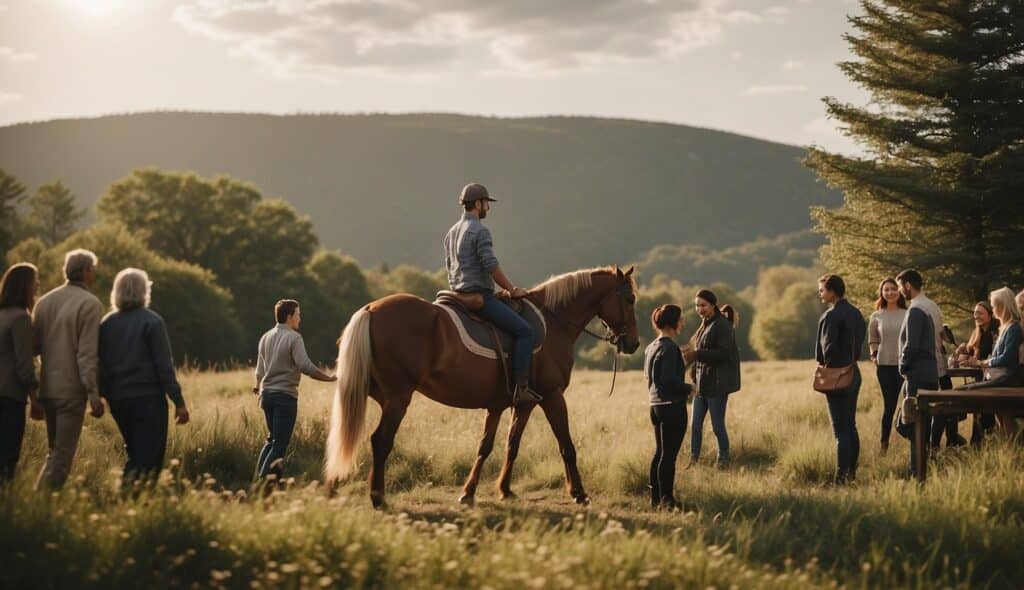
{"type": "Point", "coordinates": [348, 411]}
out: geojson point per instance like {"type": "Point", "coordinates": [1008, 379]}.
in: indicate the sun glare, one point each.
{"type": "Point", "coordinates": [96, 7]}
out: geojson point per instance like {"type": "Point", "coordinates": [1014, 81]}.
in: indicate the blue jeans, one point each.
{"type": "Point", "coordinates": [716, 405]}
{"type": "Point", "coordinates": [669, 421]}
{"type": "Point", "coordinates": [12, 430]}
{"type": "Point", "coordinates": [280, 410]}
{"type": "Point", "coordinates": [842, 410]}
{"type": "Point", "coordinates": [143, 425]}
{"type": "Point", "coordinates": [510, 322]}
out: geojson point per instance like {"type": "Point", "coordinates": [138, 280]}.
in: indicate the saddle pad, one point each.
{"type": "Point", "coordinates": [476, 335]}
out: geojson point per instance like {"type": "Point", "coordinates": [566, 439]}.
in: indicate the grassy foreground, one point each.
{"type": "Point", "coordinates": [767, 522]}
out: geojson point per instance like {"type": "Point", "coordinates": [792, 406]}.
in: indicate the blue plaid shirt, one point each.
{"type": "Point", "coordinates": [469, 256]}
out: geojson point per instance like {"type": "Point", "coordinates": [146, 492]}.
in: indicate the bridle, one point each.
{"type": "Point", "coordinates": [611, 336]}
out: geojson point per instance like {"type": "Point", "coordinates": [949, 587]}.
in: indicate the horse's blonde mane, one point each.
{"type": "Point", "coordinates": [561, 289]}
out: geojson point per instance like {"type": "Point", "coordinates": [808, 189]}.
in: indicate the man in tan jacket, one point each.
{"type": "Point", "coordinates": [66, 324]}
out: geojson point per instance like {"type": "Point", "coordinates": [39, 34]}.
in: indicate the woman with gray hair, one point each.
{"type": "Point", "coordinates": [136, 372]}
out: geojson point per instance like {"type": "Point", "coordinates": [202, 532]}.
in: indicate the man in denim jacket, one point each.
{"type": "Point", "coordinates": [473, 268]}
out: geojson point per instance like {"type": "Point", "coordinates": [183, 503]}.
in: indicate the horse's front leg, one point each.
{"type": "Point", "coordinates": [486, 445]}
{"type": "Point", "coordinates": [558, 417]}
{"type": "Point", "coordinates": [520, 416]}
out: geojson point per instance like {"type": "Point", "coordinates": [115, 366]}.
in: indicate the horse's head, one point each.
{"type": "Point", "coordinates": [618, 312]}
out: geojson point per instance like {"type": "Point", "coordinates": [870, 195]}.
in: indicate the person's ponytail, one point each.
{"type": "Point", "coordinates": [730, 314]}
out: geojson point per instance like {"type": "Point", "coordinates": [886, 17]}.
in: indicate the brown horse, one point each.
{"type": "Point", "coordinates": [401, 343]}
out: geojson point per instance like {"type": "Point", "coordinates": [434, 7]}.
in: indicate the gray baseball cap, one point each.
{"type": "Point", "coordinates": [474, 192]}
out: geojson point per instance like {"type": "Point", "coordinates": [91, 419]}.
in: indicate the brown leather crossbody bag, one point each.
{"type": "Point", "coordinates": [832, 380]}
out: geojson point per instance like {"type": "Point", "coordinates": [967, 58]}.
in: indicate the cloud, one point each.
{"type": "Point", "coordinates": [325, 37]}
{"type": "Point", "coordinates": [792, 65]}
{"type": "Point", "coordinates": [13, 55]}
{"type": "Point", "coordinates": [6, 97]}
{"type": "Point", "coordinates": [774, 89]}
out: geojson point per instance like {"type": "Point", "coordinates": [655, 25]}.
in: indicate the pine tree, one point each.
{"type": "Point", "coordinates": [52, 212]}
{"type": "Point", "coordinates": [12, 193]}
{"type": "Point", "coordinates": [941, 188]}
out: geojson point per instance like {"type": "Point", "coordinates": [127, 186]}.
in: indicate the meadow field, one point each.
{"type": "Point", "coordinates": [769, 521]}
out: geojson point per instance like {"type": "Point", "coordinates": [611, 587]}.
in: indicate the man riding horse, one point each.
{"type": "Point", "coordinates": [473, 269]}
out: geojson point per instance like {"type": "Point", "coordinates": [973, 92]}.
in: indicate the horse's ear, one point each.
{"type": "Point", "coordinates": [618, 271]}
{"type": "Point", "coordinates": [629, 272]}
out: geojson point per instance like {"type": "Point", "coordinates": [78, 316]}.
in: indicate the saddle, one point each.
{"type": "Point", "coordinates": [479, 335]}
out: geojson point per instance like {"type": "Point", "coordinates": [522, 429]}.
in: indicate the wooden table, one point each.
{"type": "Point", "coordinates": [990, 400]}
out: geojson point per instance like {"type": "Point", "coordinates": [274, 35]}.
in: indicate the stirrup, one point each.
{"type": "Point", "coordinates": [522, 394]}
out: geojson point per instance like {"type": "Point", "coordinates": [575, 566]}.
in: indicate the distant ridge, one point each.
{"type": "Point", "coordinates": [573, 191]}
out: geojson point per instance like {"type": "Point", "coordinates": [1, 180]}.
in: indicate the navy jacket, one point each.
{"type": "Point", "coordinates": [664, 369]}
{"type": "Point", "coordinates": [841, 331]}
{"type": "Point", "coordinates": [135, 357]}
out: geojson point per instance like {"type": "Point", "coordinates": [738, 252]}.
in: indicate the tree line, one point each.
{"type": "Point", "coordinates": [220, 254]}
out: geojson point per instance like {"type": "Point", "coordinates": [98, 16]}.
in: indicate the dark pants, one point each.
{"type": "Point", "coordinates": [701, 406]}
{"type": "Point", "coordinates": [510, 322]}
{"type": "Point", "coordinates": [280, 409]}
{"type": "Point", "coordinates": [945, 424]}
{"type": "Point", "coordinates": [890, 381]}
{"type": "Point", "coordinates": [842, 410]}
{"type": "Point", "coordinates": [912, 388]}
{"type": "Point", "coordinates": [12, 430]}
{"type": "Point", "coordinates": [669, 422]}
{"type": "Point", "coordinates": [143, 424]}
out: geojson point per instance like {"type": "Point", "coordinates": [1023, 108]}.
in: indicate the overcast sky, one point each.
{"type": "Point", "coordinates": [756, 67]}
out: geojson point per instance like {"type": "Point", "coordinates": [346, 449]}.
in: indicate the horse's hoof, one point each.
{"type": "Point", "coordinates": [467, 500]}
{"type": "Point", "coordinates": [583, 500]}
{"type": "Point", "coordinates": [378, 502]}
{"type": "Point", "coordinates": [508, 496]}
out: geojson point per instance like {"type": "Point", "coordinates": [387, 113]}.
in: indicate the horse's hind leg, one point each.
{"type": "Point", "coordinates": [486, 445]}
{"type": "Point", "coordinates": [383, 440]}
{"type": "Point", "coordinates": [520, 416]}
{"type": "Point", "coordinates": [558, 418]}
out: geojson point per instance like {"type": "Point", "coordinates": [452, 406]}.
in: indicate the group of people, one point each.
{"type": "Point", "coordinates": [125, 357]}
{"type": "Point", "coordinates": [122, 356]}
{"type": "Point", "coordinates": [906, 339]}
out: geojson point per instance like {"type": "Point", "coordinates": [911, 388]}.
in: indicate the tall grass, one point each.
{"type": "Point", "coordinates": [769, 521]}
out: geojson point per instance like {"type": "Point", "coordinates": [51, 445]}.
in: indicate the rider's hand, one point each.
{"type": "Point", "coordinates": [518, 293]}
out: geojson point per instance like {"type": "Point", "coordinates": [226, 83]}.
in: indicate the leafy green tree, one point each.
{"type": "Point", "coordinates": [788, 328]}
{"type": "Point", "coordinates": [940, 186]}
{"type": "Point", "coordinates": [53, 215]}
{"type": "Point", "coordinates": [340, 288]}
{"type": "Point", "coordinates": [258, 249]}
{"type": "Point", "coordinates": [12, 193]}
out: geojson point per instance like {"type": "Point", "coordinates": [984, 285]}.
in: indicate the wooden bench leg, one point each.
{"type": "Point", "coordinates": [921, 443]}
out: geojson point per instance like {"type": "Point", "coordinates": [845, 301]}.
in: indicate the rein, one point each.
{"type": "Point", "coordinates": [610, 336]}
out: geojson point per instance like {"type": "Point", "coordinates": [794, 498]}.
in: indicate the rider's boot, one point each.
{"type": "Point", "coordinates": [522, 394]}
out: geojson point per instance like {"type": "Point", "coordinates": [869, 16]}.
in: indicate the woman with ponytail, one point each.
{"type": "Point", "coordinates": [664, 369]}
{"type": "Point", "coordinates": [716, 372]}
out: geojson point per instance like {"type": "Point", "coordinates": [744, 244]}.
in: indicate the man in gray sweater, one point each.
{"type": "Point", "coordinates": [66, 324]}
{"type": "Point", "coordinates": [281, 361]}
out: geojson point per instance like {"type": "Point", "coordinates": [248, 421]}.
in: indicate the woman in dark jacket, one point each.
{"type": "Point", "coordinates": [136, 373]}
{"type": "Point", "coordinates": [716, 372]}
{"type": "Point", "coordinates": [18, 381]}
{"type": "Point", "coordinates": [664, 369]}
